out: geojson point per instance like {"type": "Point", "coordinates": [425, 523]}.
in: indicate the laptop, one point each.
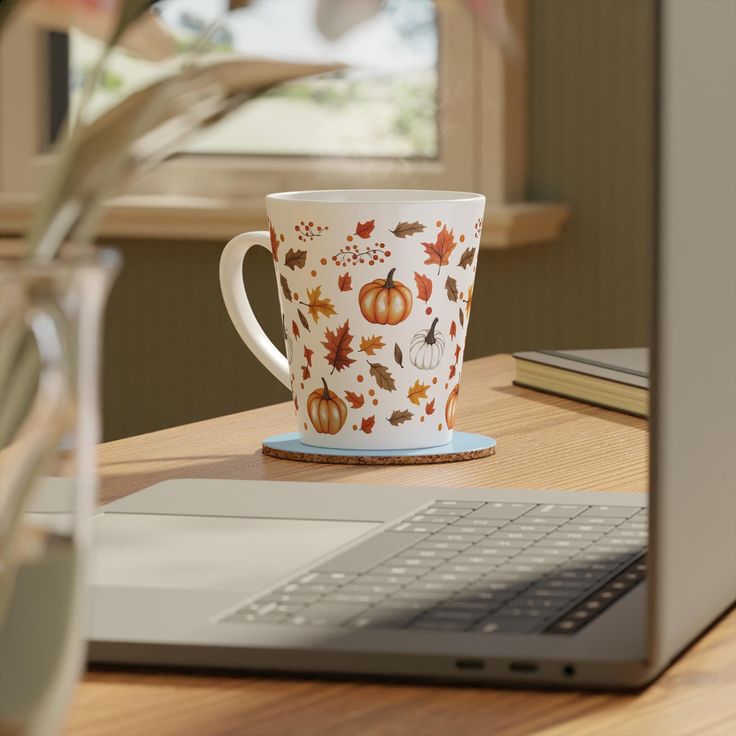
{"type": "Point", "coordinates": [493, 586]}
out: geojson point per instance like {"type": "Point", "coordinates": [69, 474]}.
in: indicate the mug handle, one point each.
{"type": "Point", "coordinates": [238, 306]}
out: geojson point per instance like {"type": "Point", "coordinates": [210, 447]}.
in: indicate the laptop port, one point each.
{"type": "Point", "coordinates": [524, 667]}
{"type": "Point", "coordinates": [470, 664]}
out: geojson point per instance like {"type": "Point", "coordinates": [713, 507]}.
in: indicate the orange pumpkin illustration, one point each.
{"type": "Point", "coordinates": [327, 411]}
{"type": "Point", "coordinates": [450, 406]}
{"type": "Point", "coordinates": [385, 301]}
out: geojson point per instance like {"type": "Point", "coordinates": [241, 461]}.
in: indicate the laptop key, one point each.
{"type": "Point", "coordinates": [506, 626]}
{"type": "Point", "coordinates": [433, 624]}
{"type": "Point", "coordinates": [611, 512]}
{"type": "Point", "coordinates": [419, 528]}
{"type": "Point", "coordinates": [383, 618]}
{"type": "Point", "coordinates": [559, 511]}
{"type": "Point", "coordinates": [458, 504]}
{"type": "Point", "coordinates": [501, 511]}
{"type": "Point", "coordinates": [370, 553]}
{"type": "Point", "coordinates": [327, 614]}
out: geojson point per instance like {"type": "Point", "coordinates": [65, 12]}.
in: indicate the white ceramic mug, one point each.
{"type": "Point", "coordinates": [375, 289]}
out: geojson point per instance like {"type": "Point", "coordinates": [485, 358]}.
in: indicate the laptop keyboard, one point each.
{"type": "Point", "coordinates": [471, 566]}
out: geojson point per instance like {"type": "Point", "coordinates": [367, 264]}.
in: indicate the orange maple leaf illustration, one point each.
{"type": "Point", "coordinates": [345, 282]}
{"type": "Point", "coordinates": [429, 407]}
{"type": "Point", "coordinates": [294, 328]}
{"type": "Point", "coordinates": [356, 400]}
{"type": "Point", "coordinates": [369, 345]}
{"type": "Point", "coordinates": [453, 329]}
{"type": "Point", "coordinates": [306, 375]}
{"type": "Point", "coordinates": [364, 229]}
{"type": "Point", "coordinates": [439, 251]}
{"type": "Point", "coordinates": [417, 391]}
{"type": "Point", "coordinates": [452, 372]}
{"type": "Point", "coordinates": [308, 355]}
{"type": "Point", "coordinates": [338, 347]}
{"type": "Point", "coordinates": [367, 423]}
{"type": "Point", "coordinates": [317, 304]}
{"type": "Point", "coordinates": [424, 286]}
{"type": "Point", "coordinates": [274, 242]}
{"type": "Point", "coordinates": [458, 350]}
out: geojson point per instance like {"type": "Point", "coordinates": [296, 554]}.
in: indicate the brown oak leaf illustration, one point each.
{"type": "Point", "coordinates": [466, 259]}
{"type": "Point", "coordinates": [356, 400]}
{"type": "Point", "coordinates": [429, 407]}
{"type": "Point", "coordinates": [462, 317]}
{"type": "Point", "coordinates": [366, 425]}
{"type": "Point", "coordinates": [369, 345]}
{"type": "Point", "coordinates": [303, 320]}
{"type": "Point", "coordinates": [338, 347]}
{"type": "Point", "coordinates": [383, 376]}
{"type": "Point", "coordinates": [439, 251]}
{"type": "Point", "coordinates": [407, 228]}
{"type": "Point", "coordinates": [306, 375]}
{"type": "Point", "coordinates": [285, 288]}
{"type": "Point", "coordinates": [308, 355]}
{"type": "Point", "coordinates": [364, 229]}
{"type": "Point", "coordinates": [398, 355]}
{"type": "Point", "coordinates": [451, 288]}
{"type": "Point", "coordinates": [424, 286]}
{"type": "Point", "coordinates": [417, 392]}
{"type": "Point", "coordinates": [344, 282]}
{"type": "Point", "coordinates": [399, 417]}
{"type": "Point", "coordinates": [317, 304]}
{"type": "Point", "coordinates": [295, 328]}
{"type": "Point", "coordinates": [274, 242]}
{"type": "Point", "coordinates": [295, 258]}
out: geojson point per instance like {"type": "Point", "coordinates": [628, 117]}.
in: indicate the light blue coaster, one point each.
{"type": "Point", "coordinates": [464, 446]}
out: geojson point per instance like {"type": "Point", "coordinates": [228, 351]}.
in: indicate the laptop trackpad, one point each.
{"type": "Point", "coordinates": [210, 553]}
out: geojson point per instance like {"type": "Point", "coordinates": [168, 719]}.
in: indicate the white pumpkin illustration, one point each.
{"type": "Point", "coordinates": [427, 347]}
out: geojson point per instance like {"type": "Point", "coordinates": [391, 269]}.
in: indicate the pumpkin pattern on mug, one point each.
{"type": "Point", "coordinates": [385, 301]}
{"type": "Point", "coordinates": [327, 411]}
{"type": "Point", "coordinates": [451, 406]}
{"type": "Point", "coordinates": [427, 347]}
{"type": "Point", "coordinates": [386, 358]}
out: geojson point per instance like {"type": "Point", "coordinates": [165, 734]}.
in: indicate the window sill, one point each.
{"type": "Point", "coordinates": [194, 218]}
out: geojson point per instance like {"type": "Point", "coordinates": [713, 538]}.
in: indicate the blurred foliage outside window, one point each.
{"type": "Point", "coordinates": [383, 105]}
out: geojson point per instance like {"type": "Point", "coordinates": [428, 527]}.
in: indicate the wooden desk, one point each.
{"type": "Point", "coordinates": [543, 442]}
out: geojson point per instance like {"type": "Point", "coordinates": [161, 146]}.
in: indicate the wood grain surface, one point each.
{"type": "Point", "coordinates": [543, 442]}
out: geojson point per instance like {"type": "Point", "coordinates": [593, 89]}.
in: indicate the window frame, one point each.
{"type": "Point", "coordinates": [482, 93]}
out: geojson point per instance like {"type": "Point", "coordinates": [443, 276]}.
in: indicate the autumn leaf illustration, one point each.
{"type": "Point", "coordinates": [366, 425]}
{"type": "Point", "coordinates": [364, 229]}
{"type": "Point", "coordinates": [399, 417]}
{"type": "Point", "coordinates": [295, 258]}
{"type": "Point", "coordinates": [417, 392]}
{"type": "Point", "coordinates": [338, 347]}
{"type": "Point", "coordinates": [274, 242]}
{"type": "Point", "coordinates": [466, 259]}
{"type": "Point", "coordinates": [451, 289]}
{"type": "Point", "coordinates": [303, 320]}
{"type": "Point", "coordinates": [306, 375]}
{"type": "Point", "coordinates": [356, 400]}
{"type": "Point", "coordinates": [398, 355]}
{"type": "Point", "coordinates": [407, 228]}
{"type": "Point", "coordinates": [285, 288]}
{"type": "Point", "coordinates": [452, 372]}
{"type": "Point", "coordinates": [345, 282]}
{"type": "Point", "coordinates": [429, 407]}
{"type": "Point", "coordinates": [453, 329]}
{"type": "Point", "coordinates": [439, 251]}
{"type": "Point", "coordinates": [318, 304]}
{"type": "Point", "coordinates": [458, 350]}
{"type": "Point", "coordinates": [462, 317]}
{"type": "Point", "coordinates": [295, 328]}
{"type": "Point", "coordinates": [308, 355]}
{"type": "Point", "coordinates": [369, 345]}
{"type": "Point", "coordinates": [468, 302]}
{"type": "Point", "coordinates": [383, 376]}
{"type": "Point", "coordinates": [424, 286]}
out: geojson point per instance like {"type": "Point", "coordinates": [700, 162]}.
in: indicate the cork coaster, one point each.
{"type": "Point", "coordinates": [464, 446]}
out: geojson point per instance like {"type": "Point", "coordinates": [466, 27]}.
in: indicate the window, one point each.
{"type": "Point", "coordinates": [430, 103]}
